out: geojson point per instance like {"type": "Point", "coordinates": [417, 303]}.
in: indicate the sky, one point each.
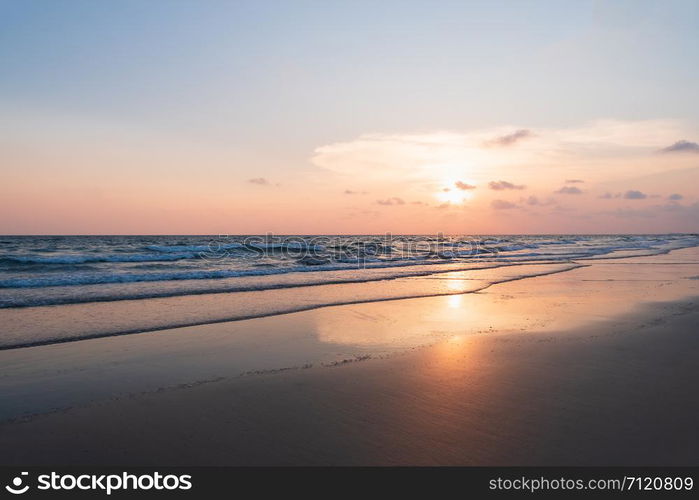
{"type": "Point", "coordinates": [329, 117]}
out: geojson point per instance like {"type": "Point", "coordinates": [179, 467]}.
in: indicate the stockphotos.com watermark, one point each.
{"type": "Point", "coordinates": [357, 250]}
{"type": "Point", "coordinates": [105, 483]}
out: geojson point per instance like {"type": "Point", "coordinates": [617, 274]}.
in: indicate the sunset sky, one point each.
{"type": "Point", "coordinates": [223, 117]}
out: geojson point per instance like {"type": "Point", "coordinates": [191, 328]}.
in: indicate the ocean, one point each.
{"type": "Point", "coordinates": [53, 270]}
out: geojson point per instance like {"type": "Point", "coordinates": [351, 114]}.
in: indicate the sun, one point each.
{"type": "Point", "coordinates": [450, 193]}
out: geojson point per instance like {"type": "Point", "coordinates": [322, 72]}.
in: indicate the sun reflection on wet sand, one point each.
{"type": "Point", "coordinates": [454, 301]}
{"type": "Point", "coordinates": [547, 304]}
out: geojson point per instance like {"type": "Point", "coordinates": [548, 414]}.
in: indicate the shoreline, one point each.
{"type": "Point", "coordinates": [291, 310]}
{"type": "Point", "coordinates": [126, 317]}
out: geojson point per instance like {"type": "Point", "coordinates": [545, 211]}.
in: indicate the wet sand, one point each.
{"type": "Point", "coordinates": [592, 366]}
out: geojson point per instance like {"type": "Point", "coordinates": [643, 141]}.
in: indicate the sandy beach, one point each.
{"type": "Point", "coordinates": [592, 366]}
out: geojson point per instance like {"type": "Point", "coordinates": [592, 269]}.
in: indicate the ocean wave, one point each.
{"type": "Point", "coordinates": [85, 259]}
{"type": "Point", "coordinates": [250, 246]}
{"type": "Point", "coordinates": [305, 264]}
{"type": "Point", "coordinates": [43, 263]}
{"type": "Point", "coordinates": [74, 279]}
{"type": "Point", "coordinates": [28, 297]}
{"type": "Point", "coordinates": [193, 248]}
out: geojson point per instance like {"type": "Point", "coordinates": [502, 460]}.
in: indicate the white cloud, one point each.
{"type": "Point", "coordinates": [594, 151]}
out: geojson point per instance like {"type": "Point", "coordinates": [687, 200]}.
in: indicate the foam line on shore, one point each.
{"type": "Point", "coordinates": [289, 310]}
{"type": "Point", "coordinates": [425, 270]}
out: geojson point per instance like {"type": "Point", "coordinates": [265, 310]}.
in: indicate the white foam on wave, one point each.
{"type": "Point", "coordinates": [86, 259]}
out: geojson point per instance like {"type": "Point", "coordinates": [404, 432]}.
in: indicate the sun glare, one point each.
{"type": "Point", "coordinates": [451, 193]}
